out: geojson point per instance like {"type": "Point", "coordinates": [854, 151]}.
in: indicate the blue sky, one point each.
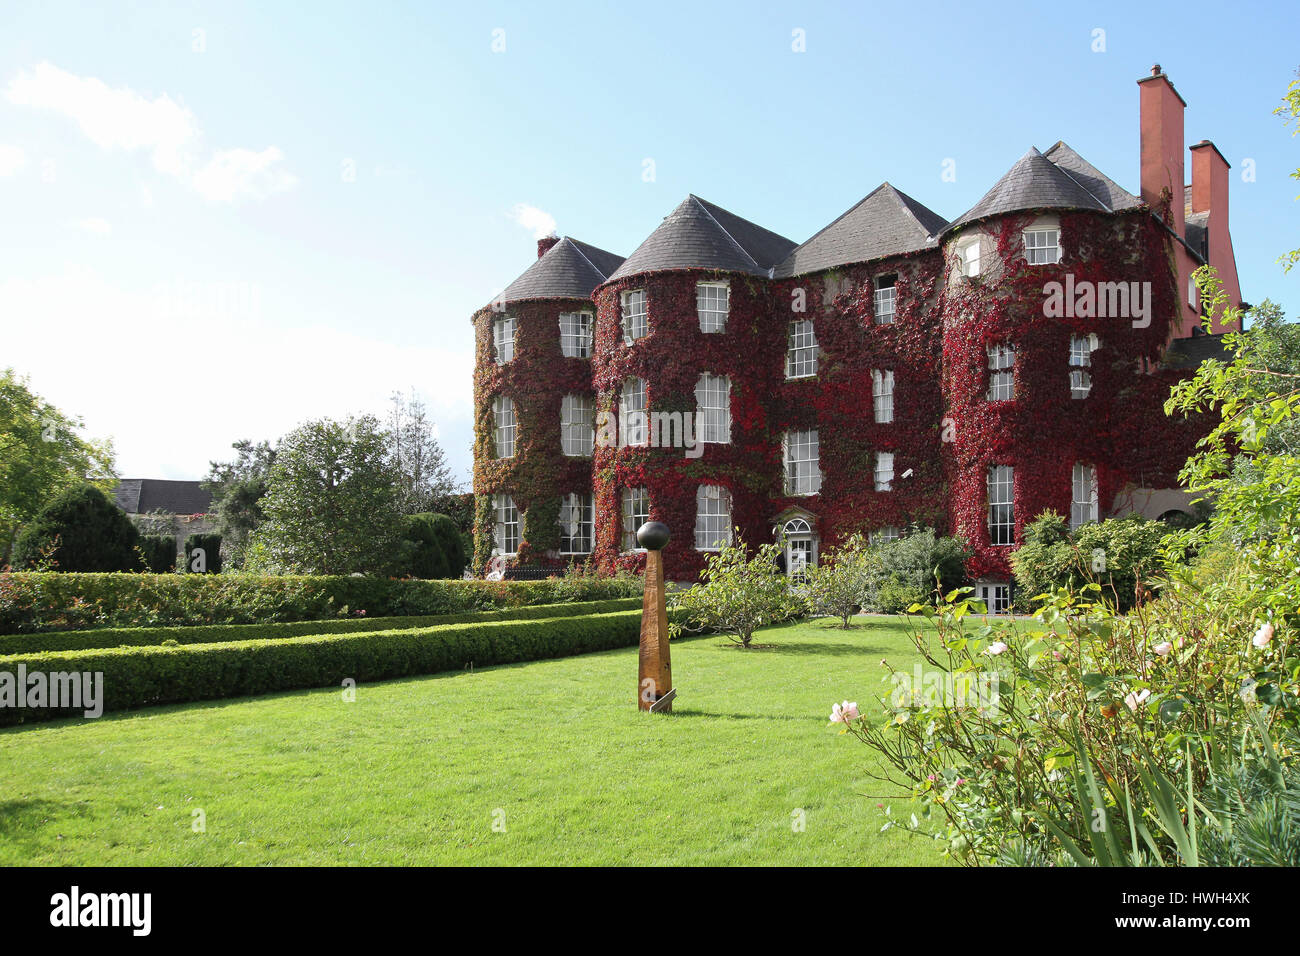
{"type": "Point", "coordinates": [217, 220]}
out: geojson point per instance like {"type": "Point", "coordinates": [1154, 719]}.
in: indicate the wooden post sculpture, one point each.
{"type": "Point", "coordinates": [655, 687]}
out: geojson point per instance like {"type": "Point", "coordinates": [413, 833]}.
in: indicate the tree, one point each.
{"type": "Point", "coordinates": [79, 530]}
{"type": "Point", "coordinates": [416, 454]}
{"type": "Point", "coordinates": [1290, 113]}
{"type": "Point", "coordinates": [41, 453]}
{"type": "Point", "coordinates": [238, 488]}
{"type": "Point", "coordinates": [333, 502]}
{"type": "Point", "coordinates": [737, 594]}
{"type": "Point", "coordinates": [837, 586]}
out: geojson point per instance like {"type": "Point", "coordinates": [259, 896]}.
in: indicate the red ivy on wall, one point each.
{"type": "Point", "coordinates": [944, 430]}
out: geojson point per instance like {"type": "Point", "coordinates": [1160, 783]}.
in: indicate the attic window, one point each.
{"type": "Point", "coordinates": [1043, 246]}
{"type": "Point", "coordinates": [711, 302]}
{"type": "Point", "coordinates": [885, 300]}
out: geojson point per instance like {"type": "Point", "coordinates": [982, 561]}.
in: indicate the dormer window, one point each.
{"type": "Point", "coordinates": [712, 302]}
{"type": "Point", "coordinates": [636, 324]}
{"type": "Point", "coordinates": [885, 300]}
{"type": "Point", "coordinates": [503, 339]}
{"type": "Point", "coordinates": [1043, 246]}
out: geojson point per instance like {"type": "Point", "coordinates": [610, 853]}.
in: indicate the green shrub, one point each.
{"type": "Point", "coordinates": [159, 553]}
{"type": "Point", "coordinates": [79, 530]}
{"type": "Point", "coordinates": [36, 601]}
{"type": "Point", "coordinates": [452, 543]}
{"type": "Point", "coordinates": [897, 594]}
{"type": "Point", "coordinates": [143, 676]}
{"type": "Point", "coordinates": [905, 571]}
{"type": "Point", "coordinates": [422, 555]}
{"type": "Point", "coordinates": [1115, 553]}
{"type": "Point", "coordinates": [202, 554]}
{"type": "Point", "coordinates": [218, 633]}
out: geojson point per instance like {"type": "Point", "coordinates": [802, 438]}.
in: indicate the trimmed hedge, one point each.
{"type": "Point", "coordinates": [32, 601]}
{"type": "Point", "coordinates": [144, 676]}
{"type": "Point", "coordinates": [225, 633]}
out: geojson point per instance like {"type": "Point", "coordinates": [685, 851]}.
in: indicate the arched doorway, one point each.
{"type": "Point", "coordinates": [800, 546]}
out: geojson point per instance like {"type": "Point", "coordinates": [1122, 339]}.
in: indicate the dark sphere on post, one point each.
{"type": "Point", "coordinates": [652, 535]}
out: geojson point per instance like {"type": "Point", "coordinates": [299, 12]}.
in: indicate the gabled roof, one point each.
{"type": "Point", "coordinates": [886, 222]}
{"type": "Point", "coordinates": [699, 235]}
{"type": "Point", "coordinates": [569, 270]}
{"type": "Point", "coordinates": [145, 495]}
{"type": "Point", "coordinates": [1064, 181]}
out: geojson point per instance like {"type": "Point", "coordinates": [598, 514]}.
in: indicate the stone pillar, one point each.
{"type": "Point", "coordinates": [656, 674]}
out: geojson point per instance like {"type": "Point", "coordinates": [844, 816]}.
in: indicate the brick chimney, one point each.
{"type": "Point", "coordinates": [1210, 181]}
{"type": "Point", "coordinates": [1162, 145]}
{"type": "Point", "coordinates": [544, 245]}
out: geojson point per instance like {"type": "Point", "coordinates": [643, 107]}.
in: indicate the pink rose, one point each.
{"type": "Point", "coordinates": [1163, 648]}
{"type": "Point", "coordinates": [996, 648]}
{"type": "Point", "coordinates": [843, 713]}
{"type": "Point", "coordinates": [1263, 636]}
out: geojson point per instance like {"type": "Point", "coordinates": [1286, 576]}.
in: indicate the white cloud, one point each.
{"type": "Point", "coordinates": [95, 226]}
{"type": "Point", "coordinates": [12, 159]}
{"type": "Point", "coordinates": [542, 223]}
{"type": "Point", "coordinates": [123, 119]}
{"type": "Point", "coordinates": [237, 391]}
{"type": "Point", "coordinates": [235, 173]}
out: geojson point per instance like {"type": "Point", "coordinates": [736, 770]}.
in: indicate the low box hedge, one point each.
{"type": "Point", "coordinates": [219, 633]}
{"type": "Point", "coordinates": [143, 676]}
{"type": "Point", "coordinates": [33, 601]}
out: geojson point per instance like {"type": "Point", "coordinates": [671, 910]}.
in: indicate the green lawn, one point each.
{"type": "Point", "coordinates": [413, 771]}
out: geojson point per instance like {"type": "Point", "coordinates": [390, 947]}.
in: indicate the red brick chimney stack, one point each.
{"type": "Point", "coordinates": [544, 245]}
{"type": "Point", "coordinates": [1162, 145]}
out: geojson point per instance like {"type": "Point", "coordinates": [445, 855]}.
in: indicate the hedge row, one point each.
{"type": "Point", "coordinates": [219, 633]}
{"type": "Point", "coordinates": [143, 676]}
{"type": "Point", "coordinates": [32, 601]}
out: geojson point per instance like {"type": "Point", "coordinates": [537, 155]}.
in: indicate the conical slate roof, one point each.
{"type": "Point", "coordinates": [886, 222]}
{"type": "Point", "coordinates": [1101, 186]}
{"type": "Point", "coordinates": [699, 235]}
{"type": "Point", "coordinates": [569, 270]}
{"type": "Point", "coordinates": [1035, 182]}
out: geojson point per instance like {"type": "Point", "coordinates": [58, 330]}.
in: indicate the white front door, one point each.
{"type": "Point", "coordinates": [799, 554]}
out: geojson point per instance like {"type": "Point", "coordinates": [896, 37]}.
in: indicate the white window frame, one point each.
{"type": "Point", "coordinates": [633, 413]}
{"type": "Point", "coordinates": [635, 317]}
{"type": "Point", "coordinates": [713, 305]}
{"type": "Point", "coordinates": [506, 531]}
{"type": "Point", "coordinates": [1081, 349]}
{"type": "Point", "coordinates": [802, 353]}
{"type": "Point", "coordinates": [884, 300]}
{"type": "Point", "coordinates": [1001, 485]}
{"type": "Point", "coordinates": [1042, 245]}
{"type": "Point", "coordinates": [713, 409]}
{"type": "Point", "coordinates": [577, 425]}
{"type": "Point", "coordinates": [882, 395]}
{"type": "Point", "coordinates": [884, 473]}
{"type": "Point", "coordinates": [634, 512]}
{"type": "Point", "coordinates": [1083, 495]}
{"type": "Point", "coordinates": [996, 596]}
{"type": "Point", "coordinates": [883, 535]}
{"type": "Point", "coordinates": [968, 256]}
{"type": "Point", "coordinates": [577, 532]}
{"type": "Point", "coordinates": [1002, 372]}
{"type": "Point", "coordinates": [1191, 292]}
{"type": "Point", "coordinates": [712, 518]}
{"type": "Point", "coordinates": [577, 333]}
{"type": "Point", "coordinates": [504, 331]}
{"type": "Point", "coordinates": [801, 462]}
{"type": "Point", "coordinates": [505, 430]}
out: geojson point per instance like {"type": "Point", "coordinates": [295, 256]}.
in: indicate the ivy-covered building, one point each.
{"type": "Point", "coordinates": [895, 369]}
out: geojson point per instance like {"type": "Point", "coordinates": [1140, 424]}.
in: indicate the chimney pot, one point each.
{"type": "Point", "coordinates": [1155, 70]}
